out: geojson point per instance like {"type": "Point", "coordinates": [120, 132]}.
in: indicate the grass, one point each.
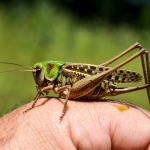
{"type": "Point", "coordinates": [41, 33]}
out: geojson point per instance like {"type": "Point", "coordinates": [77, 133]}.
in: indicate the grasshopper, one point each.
{"type": "Point", "coordinates": [87, 81]}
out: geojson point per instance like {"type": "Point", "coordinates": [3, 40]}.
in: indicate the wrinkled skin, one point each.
{"type": "Point", "coordinates": [86, 125]}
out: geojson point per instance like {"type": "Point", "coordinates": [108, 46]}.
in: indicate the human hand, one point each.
{"type": "Point", "coordinates": [86, 125]}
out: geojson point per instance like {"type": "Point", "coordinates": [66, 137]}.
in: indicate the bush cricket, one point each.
{"type": "Point", "coordinates": [87, 81]}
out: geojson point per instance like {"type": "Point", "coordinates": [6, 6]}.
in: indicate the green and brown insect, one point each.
{"type": "Point", "coordinates": [87, 81]}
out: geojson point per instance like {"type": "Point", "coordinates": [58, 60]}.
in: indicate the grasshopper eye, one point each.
{"type": "Point", "coordinates": [38, 72]}
{"type": "Point", "coordinates": [39, 75]}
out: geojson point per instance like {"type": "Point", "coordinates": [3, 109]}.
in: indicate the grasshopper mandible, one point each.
{"type": "Point", "coordinates": [87, 81]}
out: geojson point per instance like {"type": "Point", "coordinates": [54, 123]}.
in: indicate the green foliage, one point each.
{"type": "Point", "coordinates": [44, 33]}
{"type": "Point", "coordinates": [133, 12]}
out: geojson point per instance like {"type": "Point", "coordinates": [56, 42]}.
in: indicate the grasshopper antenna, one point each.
{"type": "Point", "coordinates": [16, 64]}
{"type": "Point", "coordinates": [34, 70]}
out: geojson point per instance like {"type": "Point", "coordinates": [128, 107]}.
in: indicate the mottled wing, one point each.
{"type": "Point", "coordinates": [81, 70]}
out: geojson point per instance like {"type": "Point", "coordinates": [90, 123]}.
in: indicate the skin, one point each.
{"type": "Point", "coordinates": [86, 125]}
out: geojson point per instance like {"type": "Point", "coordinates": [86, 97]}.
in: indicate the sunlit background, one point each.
{"type": "Point", "coordinates": [68, 30]}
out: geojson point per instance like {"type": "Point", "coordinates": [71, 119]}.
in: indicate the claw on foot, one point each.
{"type": "Point", "coordinates": [27, 110]}
{"type": "Point", "coordinates": [61, 117]}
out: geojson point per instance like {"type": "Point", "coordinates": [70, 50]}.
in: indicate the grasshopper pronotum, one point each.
{"type": "Point", "coordinates": [86, 81]}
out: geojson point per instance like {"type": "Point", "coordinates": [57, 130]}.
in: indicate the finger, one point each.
{"type": "Point", "coordinates": [86, 125]}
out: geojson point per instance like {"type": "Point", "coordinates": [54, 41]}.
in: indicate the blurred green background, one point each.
{"type": "Point", "coordinates": [72, 31]}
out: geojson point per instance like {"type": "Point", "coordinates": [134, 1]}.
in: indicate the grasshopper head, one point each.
{"type": "Point", "coordinates": [46, 71]}
{"type": "Point", "coordinates": [38, 74]}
